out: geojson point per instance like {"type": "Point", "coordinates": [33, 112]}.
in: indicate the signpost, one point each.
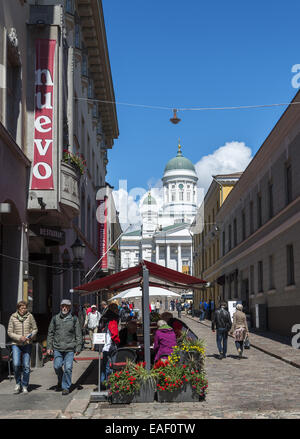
{"type": "Point", "coordinates": [99, 339]}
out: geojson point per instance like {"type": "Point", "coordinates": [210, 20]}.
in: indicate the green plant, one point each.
{"type": "Point", "coordinates": [169, 376]}
{"type": "Point", "coordinates": [124, 381]}
{"type": "Point", "coordinates": [130, 379]}
{"type": "Point", "coordinates": [75, 160]}
{"type": "Point", "coordinates": [154, 317]}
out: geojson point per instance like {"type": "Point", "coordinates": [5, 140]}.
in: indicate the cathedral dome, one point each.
{"type": "Point", "coordinates": [179, 162]}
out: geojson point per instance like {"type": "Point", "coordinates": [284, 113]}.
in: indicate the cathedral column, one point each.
{"type": "Point", "coordinates": [179, 264]}
{"type": "Point", "coordinates": [168, 255]}
{"type": "Point", "coordinates": [157, 253]}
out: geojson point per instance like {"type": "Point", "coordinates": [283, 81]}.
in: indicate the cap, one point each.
{"type": "Point", "coordinates": [65, 302]}
{"type": "Point", "coordinates": [93, 306]}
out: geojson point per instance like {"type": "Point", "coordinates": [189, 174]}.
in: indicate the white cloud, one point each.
{"type": "Point", "coordinates": [229, 158]}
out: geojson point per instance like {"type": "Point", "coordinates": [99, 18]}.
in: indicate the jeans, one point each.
{"type": "Point", "coordinates": [222, 337]}
{"type": "Point", "coordinates": [64, 375]}
{"type": "Point", "coordinates": [25, 351]}
{"type": "Point", "coordinates": [105, 366]}
{"type": "Point", "coordinates": [202, 315]}
{"type": "Point", "coordinates": [239, 344]}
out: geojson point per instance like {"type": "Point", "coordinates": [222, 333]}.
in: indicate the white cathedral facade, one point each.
{"type": "Point", "coordinates": [164, 236]}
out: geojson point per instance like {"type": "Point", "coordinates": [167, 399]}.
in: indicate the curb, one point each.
{"type": "Point", "coordinates": [290, 362]}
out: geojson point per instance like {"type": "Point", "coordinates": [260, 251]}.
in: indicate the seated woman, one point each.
{"type": "Point", "coordinates": [176, 324]}
{"type": "Point", "coordinates": [128, 335]}
{"type": "Point", "coordinates": [164, 340]}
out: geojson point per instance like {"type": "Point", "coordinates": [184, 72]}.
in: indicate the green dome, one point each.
{"type": "Point", "coordinates": [179, 162]}
{"type": "Point", "coordinates": [149, 200]}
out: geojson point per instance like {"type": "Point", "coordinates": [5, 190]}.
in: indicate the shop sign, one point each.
{"type": "Point", "coordinates": [42, 167]}
{"type": "Point", "coordinates": [53, 234]}
{"type": "Point", "coordinates": [103, 234]}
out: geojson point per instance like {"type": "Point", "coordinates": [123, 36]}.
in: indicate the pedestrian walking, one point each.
{"type": "Point", "coordinates": [109, 325]}
{"type": "Point", "coordinates": [202, 311]}
{"type": "Point", "coordinates": [157, 306]}
{"type": "Point", "coordinates": [222, 323]}
{"type": "Point", "coordinates": [239, 329]}
{"type": "Point", "coordinates": [91, 323]}
{"type": "Point", "coordinates": [178, 307]}
{"type": "Point", "coordinates": [64, 339]}
{"type": "Point", "coordinates": [22, 329]}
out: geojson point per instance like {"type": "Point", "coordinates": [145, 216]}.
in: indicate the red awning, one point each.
{"type": "Point", "coordinates": [159, 276]}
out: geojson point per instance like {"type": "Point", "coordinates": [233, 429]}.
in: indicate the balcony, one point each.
{"type": "Point", "coordinates": [69, 194]}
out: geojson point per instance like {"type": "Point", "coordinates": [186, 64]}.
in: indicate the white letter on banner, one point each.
{"type": "Point", "coordinates": [47, 103]}
{"type": "Point", "coordinates": [42, 149]}
{"type": "Point", "coordinates": [38, 124]}
{"type": "Point", "coordinates": [36, 171]}
{"type": "Point", "coordinates": [38, 77]}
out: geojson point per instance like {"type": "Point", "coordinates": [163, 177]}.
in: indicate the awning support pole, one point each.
{"type": "Point", "coordinates": [146, 318]}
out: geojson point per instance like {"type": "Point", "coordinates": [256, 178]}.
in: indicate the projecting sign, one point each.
{"type": "Point", "coordinates": [42, 167]}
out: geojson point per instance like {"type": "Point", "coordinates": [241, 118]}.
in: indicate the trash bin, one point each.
{"type": "Point", "coordinates": [37, 355]}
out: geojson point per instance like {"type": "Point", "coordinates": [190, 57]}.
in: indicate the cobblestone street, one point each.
{"type": "Point", "coordinates": [257, 386]}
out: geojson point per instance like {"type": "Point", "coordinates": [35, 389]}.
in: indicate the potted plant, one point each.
{"type": "Point", "coordinates": [122, 385]}
{"type": "Point", "coordinates": [75, 160]}
{"type": "Point", "coordinates": [132, 384]}
{"type": "Point", "coordinates": [169, 381]}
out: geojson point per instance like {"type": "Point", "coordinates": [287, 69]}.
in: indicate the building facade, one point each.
{"type": "Point", "coordinates": [260, 230]}
{"type": "Point", "coordinates": [55, 58]}
{"type": "Point", "coordinates": [206, 237]}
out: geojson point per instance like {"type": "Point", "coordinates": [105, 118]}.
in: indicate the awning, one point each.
{"type": "Point", "coordinates": [159, 276]}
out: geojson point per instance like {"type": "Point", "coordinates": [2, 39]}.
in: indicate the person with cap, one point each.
{"type": "Point", "coordinates": [64, 339]}
{"type": "Point", "coordinates": [92, 322]}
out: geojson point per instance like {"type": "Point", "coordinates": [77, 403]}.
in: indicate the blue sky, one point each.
{"type": "Point", "coordinates": [196, 53]}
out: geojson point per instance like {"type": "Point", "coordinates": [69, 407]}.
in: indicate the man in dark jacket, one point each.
{"type": "Point", "coordinates": [222, 322]}
{"type": "Point", "coordinates": [64, 338]}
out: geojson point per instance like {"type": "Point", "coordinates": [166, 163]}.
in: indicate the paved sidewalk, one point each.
{"type": "Point", "coordinates": [42, 400]}
{"type": "Point", "coordinates": [268, 342]}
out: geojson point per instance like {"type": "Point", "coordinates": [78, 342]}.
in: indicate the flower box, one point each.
{"type": "Point", "coordinates": [165, 396]}
{"type": "Point", "coordinates": [146, 393]}
{"type": "Point", "coordinates": [188, 394]}
{"type": "Point", "coordinates": [121, 398]}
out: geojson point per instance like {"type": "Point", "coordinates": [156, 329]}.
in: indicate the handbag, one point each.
{"type": "Point", "coordinates": [247, 343]}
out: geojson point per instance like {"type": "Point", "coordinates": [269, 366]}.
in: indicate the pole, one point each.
{"type": "Point", "coordinates": [146, 318]}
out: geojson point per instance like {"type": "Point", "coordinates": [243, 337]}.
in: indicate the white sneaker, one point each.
{"type": "Point", "coordinates": [24, 390]}
{"type": "Point", "coordinates": [17, 388]}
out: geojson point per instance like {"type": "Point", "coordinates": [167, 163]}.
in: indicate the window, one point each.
{"type": "Point", "coordinates": [234, 232]}
{"type": "Point", "coordinates": [290, 265]}
{"type": "Point", "coordinates": [181, 196]}
{"type": "Point", "coordinates": [13, 93]}
{"type": "Point", "coordinates": [243, 225]}
{"type": "Point", "coordinates": [252, 279]}
{"type": "Point", "coordinates": [251, 217]}
{"type": "Point", "coordinates": [188, 196]}
{"type": "Point", "coordinates": [70, 6]}
{"type": "Point", "coordinates": [223, 243]}
{"type": "Point", "coordinates": [288, 183]}
{"type": "Point", "coordinates": [270, 200]}
{"type": "Point", "coordinates": [77, 36]}
{"type": "Point", "coordinates": [260, 276]}
{"type": "Point", "coordinates": [229, 237]}
{"type": "Point", "coordinates": [271, 272]}
{"type": "Point", "coordinates": [259, 211]}
{"type": "Point", "coordinates": [173, 197]}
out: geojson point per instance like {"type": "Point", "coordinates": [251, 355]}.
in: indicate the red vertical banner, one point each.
{"type": "Point", "coordinates": [42, 167]}
{"type": "Point", "coordinates": [103, 234]}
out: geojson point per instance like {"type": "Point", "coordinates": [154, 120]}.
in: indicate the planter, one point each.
{"type": "Point", "coordinates": [165, 396]}
{"type": "Point", "coordinates": [121, 398]}
{"type": "Point", "coordinates": [146, 393]}
{"type": "Point", "coordinates": [189, 395]}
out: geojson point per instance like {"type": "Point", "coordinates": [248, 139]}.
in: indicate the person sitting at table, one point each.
{"type": "Point", "coordinates": [176, 324]}
{"type": "Point", "coordinates": [164, 340]}
{"type": "Point", "coordinates": [128, 335]}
